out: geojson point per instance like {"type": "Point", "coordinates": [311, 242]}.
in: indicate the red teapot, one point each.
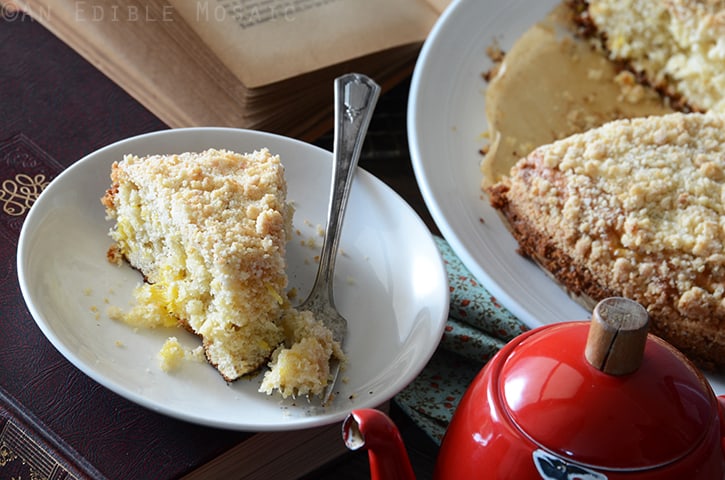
{"type": "Point", "coordinates": [598, 400]}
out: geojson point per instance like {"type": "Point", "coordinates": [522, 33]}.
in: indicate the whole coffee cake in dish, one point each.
{"type": "Point", "coordinates": [208, 231]}
{"type": "Point", "coordinates": [676, 46]}
{"type": "Point", "coordinates": [634, 208]}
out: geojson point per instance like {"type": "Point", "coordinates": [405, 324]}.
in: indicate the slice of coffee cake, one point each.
{"type": "Point", "coordinates": [635, 208]}
{"type": "Point", "coordinates": [208, 231]}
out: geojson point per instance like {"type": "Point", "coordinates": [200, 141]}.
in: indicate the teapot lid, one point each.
{"type": "Point", "coordinates": [638, 419]}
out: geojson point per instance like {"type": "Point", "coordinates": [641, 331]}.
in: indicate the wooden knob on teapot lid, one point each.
{"type": "Point", "coordinates": [617, 336]}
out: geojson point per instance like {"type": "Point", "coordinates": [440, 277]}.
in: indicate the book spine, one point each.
{"type": "Point", "coordinates": [28, 449]}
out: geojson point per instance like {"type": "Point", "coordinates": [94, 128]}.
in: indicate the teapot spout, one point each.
{"type": "Point", "coordinates": [373, 430]}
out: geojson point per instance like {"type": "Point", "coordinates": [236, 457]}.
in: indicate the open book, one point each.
{"type": "Point", "coordinates": [260, 64]}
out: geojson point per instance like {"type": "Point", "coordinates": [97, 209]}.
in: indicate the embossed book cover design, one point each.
{"type": "Point", "coordinates": [55, 109]}
{"type": "Point", "coordinates": [27, 448]}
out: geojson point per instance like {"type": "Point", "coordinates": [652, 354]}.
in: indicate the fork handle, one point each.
{"type": "Point", "coordinates": [355, 99]}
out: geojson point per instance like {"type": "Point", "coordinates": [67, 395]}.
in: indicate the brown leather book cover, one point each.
{"type": "Point", "coordinates": [55, 422]}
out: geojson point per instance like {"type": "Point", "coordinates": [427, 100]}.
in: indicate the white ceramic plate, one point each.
{"type": "Point", "coordinates": [390, 283]}
{"type": "Point", "coordinates": [446, 120]}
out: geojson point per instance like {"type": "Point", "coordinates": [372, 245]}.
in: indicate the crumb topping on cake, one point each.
{"type": "Point", "coordinates": [679, 45]}
{"type": "Point", "coordinates": [663, 183]}
{"type": "Point", "coordinates": [639, 206]}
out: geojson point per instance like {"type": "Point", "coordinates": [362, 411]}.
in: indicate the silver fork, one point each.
{"type": "Point", "coordinates": [355, 99]}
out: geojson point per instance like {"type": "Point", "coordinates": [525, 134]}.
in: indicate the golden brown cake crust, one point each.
{"type": "Point", "coordinates": [558, 264]}
{"type": "Point", "coordinates": [635, 209]}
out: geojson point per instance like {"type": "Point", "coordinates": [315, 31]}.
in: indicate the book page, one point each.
{"type": "Point", "coordinates": [150, 53]}
{"type": "Point", "coordinates": [266, 41]}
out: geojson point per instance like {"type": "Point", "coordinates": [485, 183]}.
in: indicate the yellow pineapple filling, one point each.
{"type": "Point", "coordinates": [149, 311]}
{"type": "Point", "coordinates": [171, 354]}
{"type": "Point", "coordinates": [208, 231]}
{"type": "Point", "coordinates": [298, 367]}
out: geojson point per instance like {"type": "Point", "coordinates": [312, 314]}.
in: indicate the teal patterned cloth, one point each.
{"type": "Point", "coordinates": [477, 327]}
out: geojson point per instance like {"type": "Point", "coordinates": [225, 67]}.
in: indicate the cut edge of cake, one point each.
{"type": "Point", "coordinates": [675, 46]}
{"type": "Point", "coordinates": [208, 232]}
